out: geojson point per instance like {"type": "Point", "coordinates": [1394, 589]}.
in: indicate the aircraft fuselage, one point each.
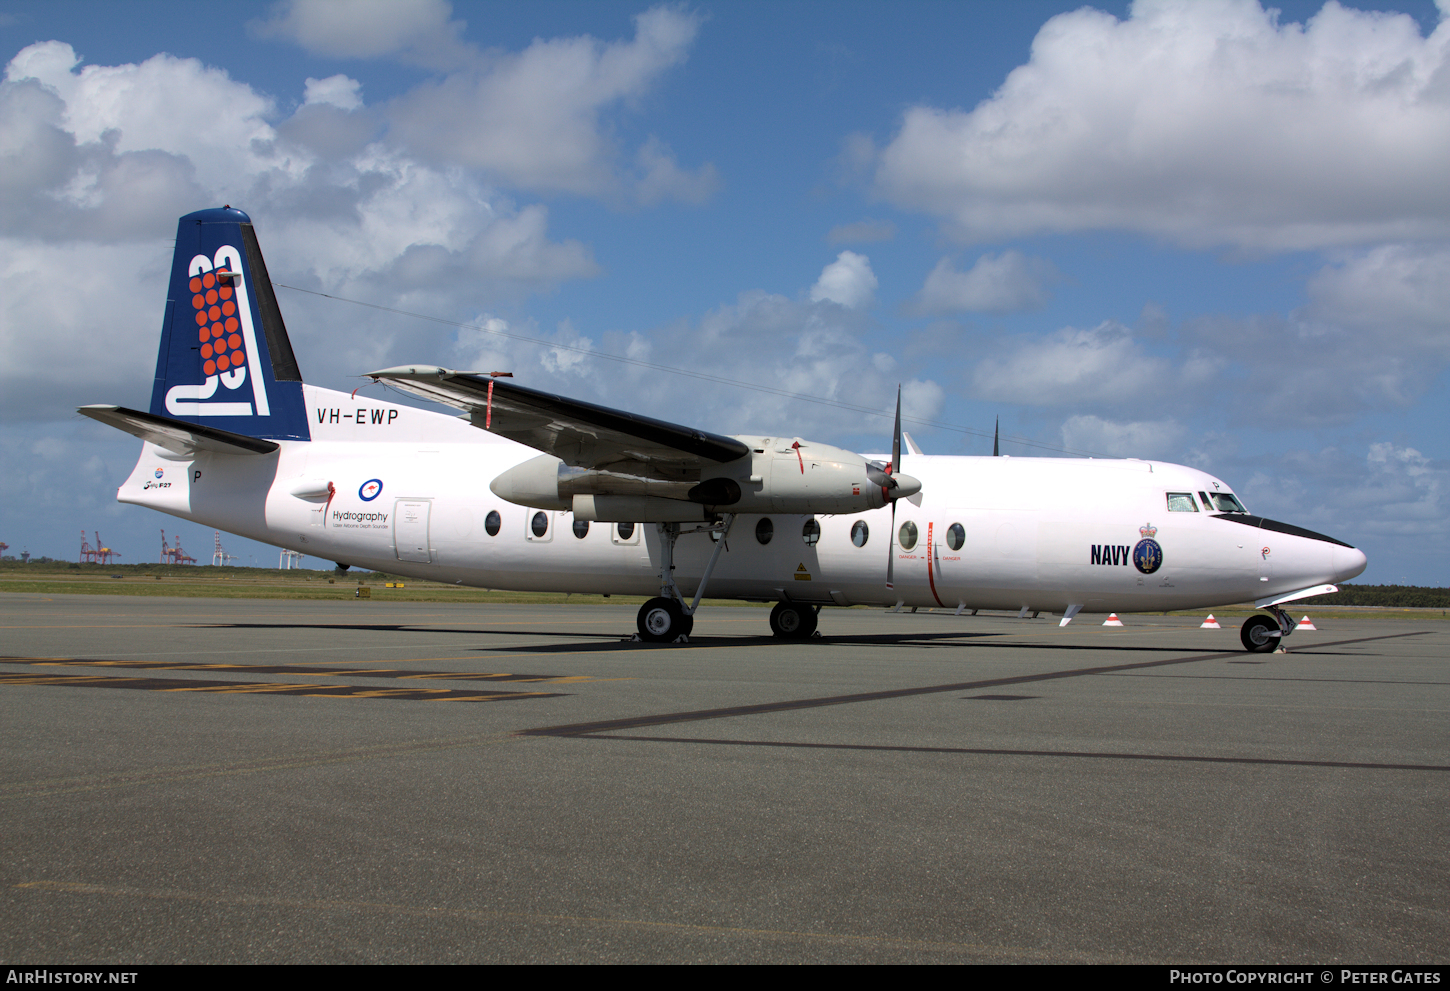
{"type": "Point", "coordinates": [404, 490]}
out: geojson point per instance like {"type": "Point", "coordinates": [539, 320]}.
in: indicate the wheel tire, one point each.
{"type": "Point", "coordinates": [790, 621]}
{"type": "Point", "coordinates": [662, 620]}
{"type": "Point", "coordinates": [1256, 634]}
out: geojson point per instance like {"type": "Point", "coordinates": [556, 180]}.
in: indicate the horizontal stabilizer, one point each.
{"type": "Point", "coordinates": [578, 433]}
{"type": "Point", "coordinates": [176, 436]}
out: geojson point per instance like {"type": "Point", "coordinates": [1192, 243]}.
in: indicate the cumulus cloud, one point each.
{"type": "Point", "coordinates": [661, 178]}
{"type": "Point", "coordinates": [1373, 335]}
{"type": "Point", "coordinates": [93, 156]}
{"type": "Point", "coordinates": [1398, 290]}
{"type": "Point", "coordinates": [534, 119]}
{"type": "Point", "coordinates": [416, 31]}
{"type": "Point", "coordinates": [1005, 283]}
{"type": "Point", "coordinates": [1103, 364]}
{"type": "Point", "coordinates": [339, 91]}
{"type": "Point", "coordinates": [848, 281]}
{"type": "Point", "coordinates": [794, 347]}
{"type": "Point", "coordinates": [1133, 439]}
{"type": "Point", "coordinates": [1204, 123]}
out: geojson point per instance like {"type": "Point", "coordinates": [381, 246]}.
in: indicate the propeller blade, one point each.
{"type": "Point", "coordinates": [894, 467]}
{"type": "Point", "coordinates": [896, 437]}
{"type": "Point", "coordinates": [891, 550]}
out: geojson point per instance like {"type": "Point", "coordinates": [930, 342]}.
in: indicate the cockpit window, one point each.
{"type": "Point", "coordinates": [1181, 502]}
{"type": "Point", "coordinates": [1225, 502]}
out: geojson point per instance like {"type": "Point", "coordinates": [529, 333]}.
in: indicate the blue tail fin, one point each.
{"type": "Point", "coordinates": [225, 360]}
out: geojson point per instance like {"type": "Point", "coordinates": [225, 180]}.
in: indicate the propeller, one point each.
{"type": "Point", "coordinates": [894, 486]}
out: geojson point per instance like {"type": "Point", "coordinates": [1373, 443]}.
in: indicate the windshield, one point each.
{"type": "Point", "coordinates": [1225, 502]}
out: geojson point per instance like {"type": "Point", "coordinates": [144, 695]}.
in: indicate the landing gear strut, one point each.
{"type": "Point", "coordinates": [666, 618]}
{"type": "Point", "coordinates": [1263, 634]}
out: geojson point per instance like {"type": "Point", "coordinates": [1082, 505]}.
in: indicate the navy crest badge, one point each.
{"type": "Point", "coordinates": [1147, 555]}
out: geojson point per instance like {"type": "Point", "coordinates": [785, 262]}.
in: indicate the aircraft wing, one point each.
{"type": "Point", "coordinates": [578, 433]}
{"type": "Point", "coordinates": [177, 436]}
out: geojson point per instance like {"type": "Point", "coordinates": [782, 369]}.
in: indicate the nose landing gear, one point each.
{"type": "Point", "coordinates": [1263, 634]}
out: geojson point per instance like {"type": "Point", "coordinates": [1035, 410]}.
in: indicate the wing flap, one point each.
{"type": "Point", "coordinates": [580, 434]}
{"type": "Point", "coordinates": [177, 436]}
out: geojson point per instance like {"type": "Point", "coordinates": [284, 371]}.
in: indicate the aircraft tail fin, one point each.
{"type": "Point", "coordinates": [225, 360]}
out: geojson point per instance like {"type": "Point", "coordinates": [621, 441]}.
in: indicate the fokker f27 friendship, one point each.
{"type": "Point", "coordinates": [624, 504]}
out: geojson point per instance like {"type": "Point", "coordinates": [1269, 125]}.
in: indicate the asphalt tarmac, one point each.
{"type": "Point", "coordinates": [216, 781]}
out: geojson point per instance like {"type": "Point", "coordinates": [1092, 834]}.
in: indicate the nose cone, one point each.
{"type": "Point", "coordinates": [906, 487]}
{"type": "Point", "coordinates": [1349, 562]}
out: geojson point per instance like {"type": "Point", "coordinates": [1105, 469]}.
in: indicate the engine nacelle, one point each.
{"type": "Point", "coordinates": [793, 477]}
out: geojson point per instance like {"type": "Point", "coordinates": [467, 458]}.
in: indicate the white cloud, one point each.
{"type": "Point", "coordinates": [848, 281]}
{"type": "Point", "coordinates": [1004, 283]}
{"type": "Point", "coordinates": [175, 106]}
{"type": "Point", "coordinates": [417, 31]}
{"type": "Point", "coordinates": [340, 91]}
{"type": "Point", "coordinates": [662, 179]}
{"type": "Point", "coordinates": [93, 156]}
{"type": "Point", "coordinates": [1133, 439]}
{"type": "Point", "coordinates": [813, 348]}
{"type": "Point", "coordinates": [533, 119]}
{"type": "Point", "coordinates": [1203, 122]}
{"type": "Point", "coordinates": [1398, 292]}
{"type": "Point", "coordinates": [1406, 491]}
{"type": "Point", "coordinates": [1102, 365]}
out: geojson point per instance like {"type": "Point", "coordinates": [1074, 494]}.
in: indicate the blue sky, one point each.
{"type": "Point", "coordinates": [1198, 232]}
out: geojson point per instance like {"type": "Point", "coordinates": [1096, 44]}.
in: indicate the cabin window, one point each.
{"type": "Point", "coordinates": [860, 533]}
{"type": "Point", "coordinates": [1224, 502]}
{"type": "Point", "coordinates": [540, 524]}
{"type": "Point", "coordinates": [764, 530]}
{"type": "Point", "coordinates": [811, 532]}
{"type": "Point", "coordinates": [956, 536]}
{"type": "Point", "coordinates": [492, 522]}
{"type": "Point", "coordinates": [625, 530]}
{"type": "Point", "coordinates": [907, 535]}
{"type": "Point", "coordinates": [581, 528]}
{"type": "Point", "coordinates": [1181, 502]}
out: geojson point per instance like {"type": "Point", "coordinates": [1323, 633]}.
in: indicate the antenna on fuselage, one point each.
{"type": "Point", "coordinates": [996, 451]}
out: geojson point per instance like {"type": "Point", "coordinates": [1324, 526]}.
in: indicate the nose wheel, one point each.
{"type": "Point", "coordinates": [1265, 634]}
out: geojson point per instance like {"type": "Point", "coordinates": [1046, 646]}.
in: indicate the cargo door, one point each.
{"type": "Point", "coordinates": [410, 530]}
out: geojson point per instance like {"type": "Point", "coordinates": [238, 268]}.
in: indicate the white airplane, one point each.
{"type": "Point", "coordinates": [235, 440]}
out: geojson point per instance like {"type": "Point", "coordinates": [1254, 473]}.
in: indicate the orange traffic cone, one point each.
{"type": "Point", "coordinates": [1304, 624]}
{"type": "Point", "coordinates": [1112, 620]}
{"type": "Point", "coordinates": [1209, 624]}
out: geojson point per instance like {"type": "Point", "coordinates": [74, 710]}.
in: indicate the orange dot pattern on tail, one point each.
{"type": "Point", "coordinates": [217, 323]}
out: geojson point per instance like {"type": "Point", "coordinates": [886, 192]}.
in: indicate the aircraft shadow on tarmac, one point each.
{"type": "Point", "coordinates": [605, 642]}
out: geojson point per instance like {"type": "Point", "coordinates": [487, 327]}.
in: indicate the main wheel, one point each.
{"type": "Point", "coordinates": [662, 620]}
{"type": "Point", "coordinates": [791, 621]}
{"type": "Point", "coordinates": [1257, 634]}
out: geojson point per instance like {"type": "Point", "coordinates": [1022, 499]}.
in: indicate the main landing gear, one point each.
{"type": "Point", "coordinates": [793, 620]}
{"type": "Point", "coordinates": [666, 618]}
{"type": "Point", "coordinates": [1263, 634]}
